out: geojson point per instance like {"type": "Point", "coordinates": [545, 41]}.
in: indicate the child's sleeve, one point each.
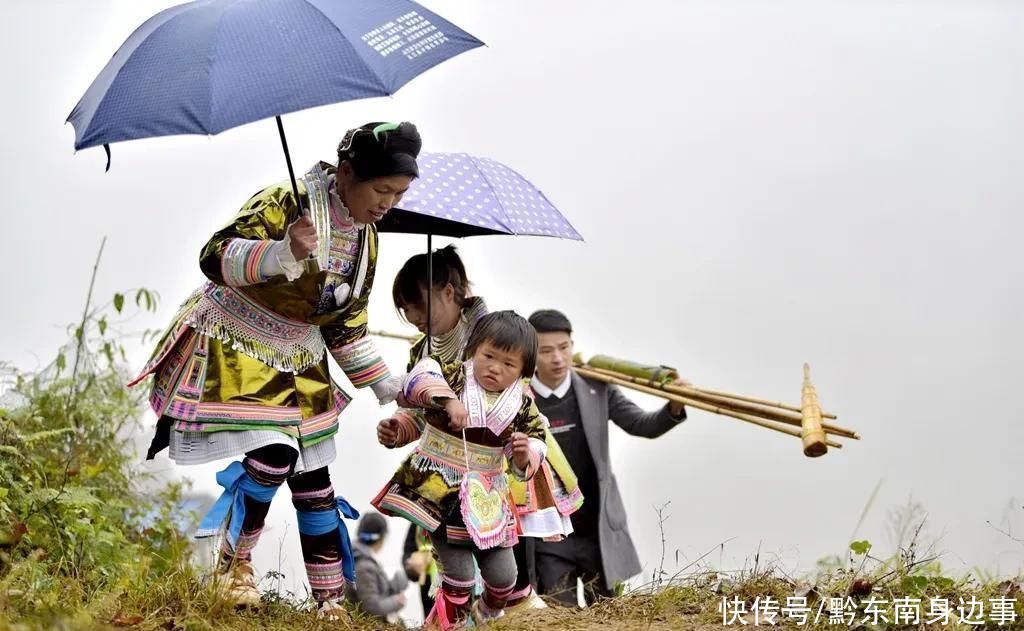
{"type": "Point", "coordinates": [429, 385]}
{"type": "Point", "coordinates": [532, 423]}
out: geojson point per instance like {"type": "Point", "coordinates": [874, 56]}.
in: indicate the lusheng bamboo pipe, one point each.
{"type": "Point", "coordinates": [700, 405]}
{"type": "Point", "coordinates": [774, 414]}
{"type": "Point", "coordinates": [813, 434]}
{"type": "Point", "coordinates": [765, 402]}
{"type": "Point", "coordinates": [647, 374]}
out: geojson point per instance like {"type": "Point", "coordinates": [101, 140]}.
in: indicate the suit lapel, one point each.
{"type": "Point", "coordinates": [593, 425]}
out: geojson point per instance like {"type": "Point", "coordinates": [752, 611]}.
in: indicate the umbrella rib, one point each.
{"type": "Point", "coordinates": [344, 38]}
{"type": "Point", "coordinates": [210, 57]}
{"type": "Point", "coordinates": [472, 159]}
{"type": "Point", "coordinates": [564, 218]}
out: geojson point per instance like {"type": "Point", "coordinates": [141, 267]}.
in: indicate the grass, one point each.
{"type": "Point", "coordinates": [179, 601]}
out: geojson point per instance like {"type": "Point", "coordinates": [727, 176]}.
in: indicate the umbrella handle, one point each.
{"type": "Point", "coordinates": [430, 285]}
{"type": "Point", "coordinates": [291, 171]}
{"type": "Point", "coordinates": [288, 159]}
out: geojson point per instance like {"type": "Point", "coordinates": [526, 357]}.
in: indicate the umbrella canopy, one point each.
{"type": "Point", "coordinates": [210, 65]}
{"type": "Point", "coordinates": [459, 195]}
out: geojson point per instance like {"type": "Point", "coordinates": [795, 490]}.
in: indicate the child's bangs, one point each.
{"type": "Point", "coordinates": [509, 332]}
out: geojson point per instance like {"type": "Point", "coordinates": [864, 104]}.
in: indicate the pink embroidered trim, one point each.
{"type": "Point", "coordinates": [361, 363]}
{"type": "Point", "coordinates": [503, 534]}
{"type": "Point", "coordinates": [501, 414]}
{"type": "Point", "coordinates": [425, 384]}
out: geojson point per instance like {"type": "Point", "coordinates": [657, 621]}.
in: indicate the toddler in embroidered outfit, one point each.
{"type": "Point", "coordinates": [469, 415]}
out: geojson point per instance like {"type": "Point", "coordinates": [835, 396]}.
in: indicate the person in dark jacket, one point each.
{"type": "Point", "coordinates": [600, 551]}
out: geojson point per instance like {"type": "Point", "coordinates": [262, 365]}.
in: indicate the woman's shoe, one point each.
{"type": "Point", "coordinates": [237, 585]}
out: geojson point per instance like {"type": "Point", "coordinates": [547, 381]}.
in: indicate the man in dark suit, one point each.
{"type": "Point", "coordinates": [600, 551]}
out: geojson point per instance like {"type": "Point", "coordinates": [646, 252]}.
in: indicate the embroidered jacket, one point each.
{"type": "Point", "coordinates": [247, 351]}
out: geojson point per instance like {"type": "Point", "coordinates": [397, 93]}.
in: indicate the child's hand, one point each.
{"type": "Point", "coordinates": [458, 415]}
{"type": "Point", "coordinates": [416, 565]}
{"type": "Point", "coordinates": [520, 450]}
{"type": "Point", "coordinates": [387, 432]}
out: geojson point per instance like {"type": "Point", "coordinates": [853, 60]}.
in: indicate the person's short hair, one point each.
{"type": "Point", "coordinates": [550, 321]}
{"type": "Point", "coordinates": [508, 331]}
{"type": "Point", "coordinates": [372, 527]}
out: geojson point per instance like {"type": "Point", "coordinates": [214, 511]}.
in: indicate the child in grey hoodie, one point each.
{"type": "Point", "coordinates": [376, 593]}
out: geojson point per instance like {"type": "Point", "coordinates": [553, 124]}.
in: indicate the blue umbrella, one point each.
{"type": "Point", "coordinates": [210, 65]}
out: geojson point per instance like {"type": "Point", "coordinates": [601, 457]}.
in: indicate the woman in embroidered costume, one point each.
{"type": "Point", "coordinates": [547, 500]}
{"type": "Point", "coordinates": [474, 414]}
{"type": "Point", "coordinates": [454, 313]}
{"type": "Point", "coordinates": [243, 367]}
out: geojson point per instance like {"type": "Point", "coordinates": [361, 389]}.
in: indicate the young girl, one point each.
{"type": "Point", "coordinates": [547, 500]}
{"type": "Point", "coordinates": [454, 485]}
{"type": "Point", "coordinates": [454, 313]}
{"type": "Point", "coordinates": [242, 370]}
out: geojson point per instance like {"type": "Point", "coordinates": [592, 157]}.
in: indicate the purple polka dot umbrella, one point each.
{"type": "Point", "coordinates": [459, 195]}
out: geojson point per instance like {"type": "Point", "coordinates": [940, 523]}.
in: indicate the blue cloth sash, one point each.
{"type": "Point", "coordinates": [237, 485]}
{"type": "Point", "coordinates": [324, 521]}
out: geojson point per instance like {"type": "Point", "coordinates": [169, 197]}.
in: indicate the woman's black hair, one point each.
{"type": "Point", "coordinates": [381, 150]}
{"type": "Point", "coordinates": [411, 280]}
{"type": "Point", "coordinates": [508, 331]}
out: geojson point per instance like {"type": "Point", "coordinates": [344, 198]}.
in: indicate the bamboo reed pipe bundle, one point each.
{"type": "Point", "coordinates": [662, 374]}
{"type": "Point", "coordinates": [700, 405]}
{"type": "Point", "coordinates": [758, 401]}
{"type": "Point", "coordinates": [812, 433]}
{"type": "Point", "coordinates": [630, 368]}
{"type": "Point", "coordinates": [774, 414]}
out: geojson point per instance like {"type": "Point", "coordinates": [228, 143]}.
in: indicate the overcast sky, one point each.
{"type": "Point", "coordinates": [759, 184]}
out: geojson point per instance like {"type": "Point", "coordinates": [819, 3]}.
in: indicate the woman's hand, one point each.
{"type": "Point", "coordinates": [458, 415]}
{"type": "Point", "coordinates": [302, 234]}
